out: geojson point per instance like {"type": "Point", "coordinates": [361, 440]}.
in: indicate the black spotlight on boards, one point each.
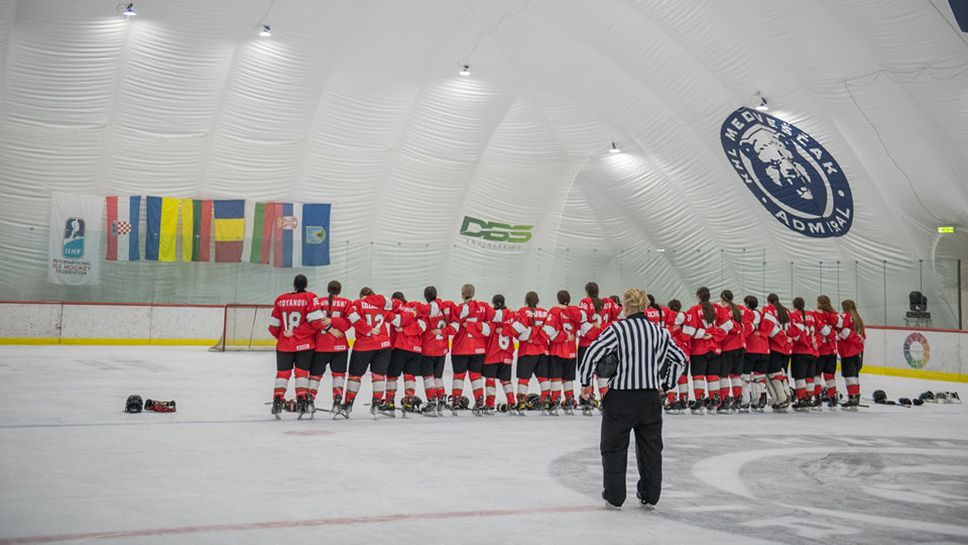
{"type": "Point", "coordinates": [880, 397]}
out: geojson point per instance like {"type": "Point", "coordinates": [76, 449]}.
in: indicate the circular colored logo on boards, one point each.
{"type": "Point", "coordinates": [917, 352]}
{"type": "Point", "coordinates": [789, 172]}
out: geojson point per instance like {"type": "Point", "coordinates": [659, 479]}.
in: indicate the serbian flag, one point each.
{"type": "Point", "coordinates": [229, 230]}
{"type": "Point", "coordinates": [196, 222]}
{"type": "Point", "coordinates": [123, 217]}
{"type": "Point", "coordinates": [162, 228]}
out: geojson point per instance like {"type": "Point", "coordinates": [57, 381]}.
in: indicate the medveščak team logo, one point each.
{"type": "Point", "coordinates": [74, 238]}
{"type": "Point", "coordinates": [917, 352]}
{"type": "Point", "coordinates": [792, 174]}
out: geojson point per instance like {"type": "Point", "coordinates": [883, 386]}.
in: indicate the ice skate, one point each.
{"type": "Point", "coordinates": [337, 401]}
{"type": "Point", "coordinates": [852, 403]}
{"type": "Point", "coordinates": [344, 410]}
{"type": "Point", "coordinates": [430, 409]}
{"type": "Point", "coordinates": [520, 407]}
{"type": "Point", "coordinates": [697, 407]}
{"type": "Point", "coordinates": [277, 405]}
{"type": "Point", "coordinates": [832, 402]}
{"type": "Point", "coordinates": [478, 409]}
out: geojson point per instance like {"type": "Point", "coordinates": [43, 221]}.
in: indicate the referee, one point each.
{"type": "Point", "coordinates": [648, 362]}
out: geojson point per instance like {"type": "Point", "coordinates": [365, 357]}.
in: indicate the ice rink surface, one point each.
{"type": "Point", "coordinates": [75, 469]}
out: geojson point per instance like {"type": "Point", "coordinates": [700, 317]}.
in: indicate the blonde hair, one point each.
{"type": "Point", "coordinates": [635, 300]}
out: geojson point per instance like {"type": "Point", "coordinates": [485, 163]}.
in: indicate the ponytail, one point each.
{"type": "Point", "coordinates": [727, 296]}
{"type": "Point", "coordinates": [299, 283]}
{"type": "Point", "coordinates": [751, 302]}
{"type": "Point", "coordinates": [850, 307]}
{"type": "Point", "coordinates": [333, 288]}
{"type": "Point", "coordinates": [798, 304]}
{"type": "Point", "coordinates": [781, 312]}
{"type": "Point", "coordinates": [708, 312]}
{"type": "Point", "coordinates": [531, 299]}
{"type": "Point", "coordinates": [498, 302]}
{"type": "Point", "coordinates": [653, 304]}
{"type": "Point", "coordinates": [591, 289]}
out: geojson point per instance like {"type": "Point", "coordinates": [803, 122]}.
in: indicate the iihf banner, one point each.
{"type": "Point", "coordinates": [75, 239]}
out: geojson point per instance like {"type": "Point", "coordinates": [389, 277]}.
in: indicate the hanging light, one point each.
{"type": "Point", "coordinates": [265, 31]}
{"type": "Point", "coordinates": [760, 103]}
{"type": "Point", "coordinates": [465, 70]}
{"type": "Point", "coordinates": [614, 148]}
{"type": "Point", "coordinates": [129, 11]}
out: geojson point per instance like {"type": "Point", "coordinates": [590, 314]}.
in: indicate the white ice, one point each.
{"type": "Point", "coordinates": [75, 469]}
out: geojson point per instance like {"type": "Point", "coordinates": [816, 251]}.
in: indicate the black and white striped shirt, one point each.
{"type": "Point", "coordinates": [648, 358]}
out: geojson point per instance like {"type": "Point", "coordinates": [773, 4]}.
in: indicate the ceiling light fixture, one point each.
{"type": "Point", "coordinates": [265, 31]}
{"type": "Point", "coordinates": [465, 70]}
{"type": "Point", "coordinates": [128, 10]}
{"type": "Point", "coordinates": [614, 148]}
{"type": "Point", "coordinates": [760, 102]}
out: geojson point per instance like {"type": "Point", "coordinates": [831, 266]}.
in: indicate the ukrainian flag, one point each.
{"type": "Point", "coordinates": [162, 228]}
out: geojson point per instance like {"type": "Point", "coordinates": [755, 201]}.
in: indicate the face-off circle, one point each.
{"type": "Point", "coordinates": [803, 489]}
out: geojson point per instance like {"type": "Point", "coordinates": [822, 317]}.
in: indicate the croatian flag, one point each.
{"type": "Point", "coordinates": [124, 214]}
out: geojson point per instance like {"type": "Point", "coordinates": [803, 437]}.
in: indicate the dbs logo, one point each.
{"type": "Point", "coordinates": [495, 232]}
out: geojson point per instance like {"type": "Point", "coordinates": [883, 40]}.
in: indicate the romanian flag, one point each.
{"type": "Point", "coordinates": [162, 228]}
{"type": "Point", "coordinates": [229, 230]}
{"type": "Point", "coordinates": [288, 234]}
{"type": "Point", "coordinates": [196, 229]}
{"type": "Point", "coordinates": [124, 217]}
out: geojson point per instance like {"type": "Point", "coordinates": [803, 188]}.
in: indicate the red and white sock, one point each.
{"type": "Point", "coordinates": [352, 387]}
{"type": "Point", "coordinates": [830, 382]}
{"type": "Point", "coordinates": [430, 390]}
{"type": "Point", "coordinates": [477, 384]}
{"type": "Point", "coordinates": [490, 387]}
{"type": "Point", "coordinates": [302, 382]}
{"type": "Point", "coordinates": [698, 387]}
{"type": "Point", "coordinates": [555, 390]}
{"type": "Point", "coordinates": [379, 386]}
{"type": "Point", "coordinates": [409, 385]}
{"type": "Point", "coordinates": [683, 387]}
{"type": "Point", "coordinates": [545, 384]}
{"type": "Point", "coordinates": [339, 381]}
{"type": "Point", "coordinates": [457, 387]}
{"type": "Point", "coordinates": [508, 391]}
{"type": "Point", "coordinates": [314, 381]}
{"type": "Point", "coordinates": [282, 383]}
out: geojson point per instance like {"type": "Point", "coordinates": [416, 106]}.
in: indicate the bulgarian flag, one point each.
{"type": "Point", "coordinates": [288, 234]}
{"type": "Point", "coordinates": [196, 218]}
{"type": "Point", "coordinates": [123, 218]}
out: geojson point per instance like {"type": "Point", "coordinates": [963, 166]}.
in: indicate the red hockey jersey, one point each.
{"type": "Point", "coordinates": [565, 321]}
{"type": "Point", "coordinates": [471, 328]}
{"type": "Point", "coordinates": [849, 343]}
{"type": "Point", "coordinates": [592, 322]}
{"type": "Point", "coordinates": [437, 316]}
{"type": "Point", "coordinates": [757, 331]}
{"type": "Point", "coordinates": [612, 311]}
{"type": "Point", "coordinates": [735, 333]}
{"type": "Point", "coordinates": [368, 317]}
{"type": "Point", "coordinates": [295, 321]}
{"type": "Point", "coordinates": [682, 327]}
{"type": "Point", "coordinates": [826, 332]}
{"type": "Point", "coordinates": [802, 332]}
{"type": "Point", "coordinates": [532, 330]}
{"type": "Point", "coordinates": [657, 315]}
{"type": "Point", "coordinates": [779, 341]}
{"type": "Point", "coordinates": [408, 327]}
{"type": "Point", "coordinates": [500, 345]}
{"type": "Point", "coordinates": [701, 345]}
{"type": "Point", "coordinates": [333, 339]}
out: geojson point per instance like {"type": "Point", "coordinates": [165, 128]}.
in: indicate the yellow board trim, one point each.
{"type": "Point", "coordinates": [109, 342]}
{"type": "Point", "coordinates": [925, 374]}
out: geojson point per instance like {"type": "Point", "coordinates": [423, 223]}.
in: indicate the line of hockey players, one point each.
{"type": "Point", "coordinates": [742, 357]}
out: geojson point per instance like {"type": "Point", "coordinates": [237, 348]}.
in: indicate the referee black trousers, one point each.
{"type": "Point", "coordinates": [638, 411]}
